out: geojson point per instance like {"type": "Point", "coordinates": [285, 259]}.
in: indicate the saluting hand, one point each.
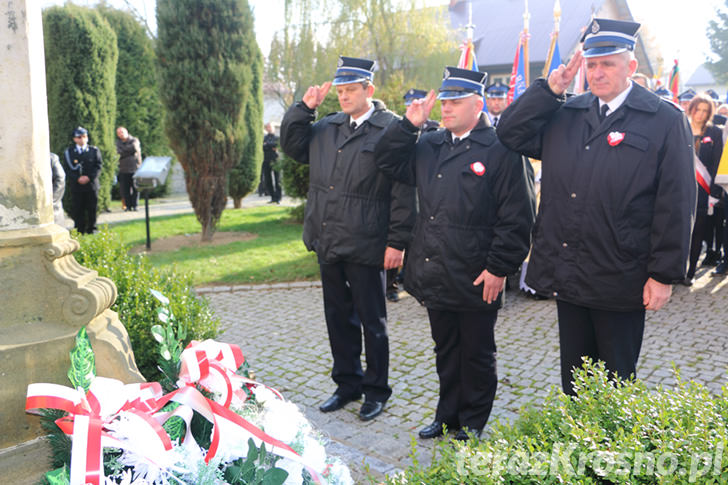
{"type": "Point", "coordinates": [560, 78]}
{"type": "Point", "coordinates": [419, 111]}
{"type": "Point", "coordinates": [315, 95]}
{"type": "Point", "coordinates": [492, 285]}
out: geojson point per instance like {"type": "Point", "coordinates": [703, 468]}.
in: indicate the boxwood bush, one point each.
{"type": "Point", "coordinates": [613, 432]}
{"type": "Point", "coordinates": [134, 277]}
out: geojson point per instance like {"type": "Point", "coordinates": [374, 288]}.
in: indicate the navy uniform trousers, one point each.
{"type": "Point", "coordinates": [354, 300]}
{"type": "Point", "coordinates": [610, 336]}
{"type": "Point", "coordinates": [465, 358]}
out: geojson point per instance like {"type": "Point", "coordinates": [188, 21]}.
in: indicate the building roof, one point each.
{"type": "Point", "coordinates": [701, 77]}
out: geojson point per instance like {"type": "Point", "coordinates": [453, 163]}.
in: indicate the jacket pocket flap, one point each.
{"type": "Point", "coordinates": [636, 141]}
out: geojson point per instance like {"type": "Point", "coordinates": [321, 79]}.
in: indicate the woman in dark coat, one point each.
{"type": "Point", "coordinates": [708, 143]}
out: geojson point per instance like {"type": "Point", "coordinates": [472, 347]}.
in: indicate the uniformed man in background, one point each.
{"type": "Point", "coordinates": [83, 168]}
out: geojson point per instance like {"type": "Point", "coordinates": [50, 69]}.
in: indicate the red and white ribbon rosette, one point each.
{"type": "Point", "coordinates": [90, 413]}
{"type": "Point", "coordinates": [212, 365]}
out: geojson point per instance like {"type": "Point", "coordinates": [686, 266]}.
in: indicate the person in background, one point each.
{"type": "Point", "coordinates": [357, 221]}
{"type": "Point", "coordinates": [130, 159]}
{"type": "Point", "coordinates": [83, 168]}
{"type": "Point", "coordinates": [271, 175]}
{"type": "Point", "coordinates": [477, 207]}
{"type": "Point", "coordinates": [495, 100]}
{"type": "Point", "coordinates": [617, 198]}
{"type": "Point", "coordinates": [58, 179]}
{"type": "Point", "coordinates": [708, 145]}
{"type": "Point", "coordinates": [685, 97]}
{"type": "Point", "coordinates": [642, 80]}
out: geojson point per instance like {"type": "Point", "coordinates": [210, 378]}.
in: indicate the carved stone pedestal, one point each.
{"type": "Point", "coordinates": [46, 298]}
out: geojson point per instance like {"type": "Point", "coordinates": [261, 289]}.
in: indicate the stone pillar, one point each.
{"type": "Point", "coordinates": [45, 295]}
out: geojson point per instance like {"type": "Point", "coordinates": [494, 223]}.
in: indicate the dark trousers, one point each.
{"type": "Point", "coordinates": [272, 182]}
{"type": "Point", "coordinates": [696, 243]}
{"type": "Point", "coordinates": [465, 357]}
{"type": "Point", "coordinates": [127, 190]}
{"type": "Point", "coordinates": [84, 210]}
{"type": "Point", "coordinates": [354, 298]}
{"type": "Point", "coordinates": [612, 337]}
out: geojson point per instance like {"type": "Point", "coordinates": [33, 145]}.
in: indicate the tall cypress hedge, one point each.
{"type": "Point", "coordinates": [205, 73]}
{"type": "Point", "coordinates": [81, 55]}
{"type": "Point", "coordinates": [138, 106]}
{"type": "Point", "coordinates": [245, 173]}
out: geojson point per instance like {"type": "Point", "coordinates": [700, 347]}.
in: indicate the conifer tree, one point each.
{"type": "Point", "coordinates": [81, 55]}
{"type": "Point", "coordinates": [204, 75]}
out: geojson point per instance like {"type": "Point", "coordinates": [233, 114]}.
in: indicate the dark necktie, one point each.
{"type": "Point", "coordinates": [603, 112]}
{"type": "Point", "coordinates": [353, 126]}
{"type": "Point", "coordinates": [495, 121]}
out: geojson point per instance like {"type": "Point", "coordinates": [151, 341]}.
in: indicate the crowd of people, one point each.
{"type": "Point", "coordinates": [620, 217]}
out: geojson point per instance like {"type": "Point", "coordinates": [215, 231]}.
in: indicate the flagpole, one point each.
{"type": "Point", "coordinates": [554, 38]}
{"type": "Point", "coordinates": [526, 66]}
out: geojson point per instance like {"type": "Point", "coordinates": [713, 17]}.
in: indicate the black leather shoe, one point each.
{"type": "Point", "coordinates": [687, 282]}
{"type": "Point", "coordinates": [370, 410]}
{"type": "Point", "coordinates": [336, 402]}
{"type": "Point", "coordinates": [393, 296]}
{"type": "Point", "coordinates": [721, 269]}
{"type": "Point", "coordinates": [465, 433]}
{"type": "Point", "coordinates": [432, 431]}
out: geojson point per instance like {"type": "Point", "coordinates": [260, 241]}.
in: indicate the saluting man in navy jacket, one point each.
{"type": "Point", "coordinates": [357, 221]}
{"type": "Point", "coordinates": [473, 228]}
{"type": "Point", "coordinates": [618, 198]}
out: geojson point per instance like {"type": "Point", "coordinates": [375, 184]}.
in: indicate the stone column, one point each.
{"type": "Point", "coordinates": [45, 295]}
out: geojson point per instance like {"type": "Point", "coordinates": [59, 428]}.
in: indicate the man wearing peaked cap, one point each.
{"type": "Point", "coordinates": [357, 221]}
{"type": "Point", "coordinates": [83, 168]}
{"type": "Point", "coordinates": [685, 97]}
{"type": "Point", "coordinates": [664, 93]}
{"type": "Point", "coordinates": [617, 198]}
{"type": "Point", "coordinates": [495, 100]}
{"type": "Point", "coordinates": [475, 215]}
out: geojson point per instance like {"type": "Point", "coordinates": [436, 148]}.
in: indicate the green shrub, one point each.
{"type": "Point", "coordinates": [134, 277]}
{"type": "Point", "coordinates": [619, 432]}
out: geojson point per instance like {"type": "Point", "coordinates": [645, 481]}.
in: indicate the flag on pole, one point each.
{"type": "Point", "coordinates": [555, 59]}
{"type": "Point", "coordinates": [673, 84]}
{"type": "Point", "coordinates": [518, 79]}
{"type": "Point", "coordinates": [467, 56]}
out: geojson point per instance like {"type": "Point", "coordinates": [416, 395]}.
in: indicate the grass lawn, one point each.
{"type": "Point", "coordinates": [277, 254]}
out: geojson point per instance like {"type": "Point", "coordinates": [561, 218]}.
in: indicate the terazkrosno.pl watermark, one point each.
{"type": "Point", "coordinates": [564, 461]}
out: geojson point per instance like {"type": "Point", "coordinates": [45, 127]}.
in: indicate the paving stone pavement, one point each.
{"type": "Point", "coordinates": [282, 333]}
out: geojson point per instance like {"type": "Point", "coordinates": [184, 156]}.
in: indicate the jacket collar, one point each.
{"type": "Point", "coordinates": [379, 118]}
{"type": "Point", "coordinates": [480, 133]}
{"type": "Point", "coordinates": [639, 99]}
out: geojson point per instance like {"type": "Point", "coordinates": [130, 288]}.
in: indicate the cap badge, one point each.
{"type": "Point", "coordinates": [446, 74]}
{"type": "Point", "coordinates": [615, 138]}
{"type": "Point", "coordinates": [595, 27]}
{"type": "Point", "coordinates": [478, 168]}
{"type": "Point", "coordinates": [340, 62]}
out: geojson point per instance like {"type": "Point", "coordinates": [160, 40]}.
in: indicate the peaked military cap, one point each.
{"type": "Point", "coordinates": [460, 83]}
{"type": "Point", "coordinates": [496, 90]}
{"type": "Point", "coordinates": [79, 131]}
{"type": "Point", "coordinates": [413, 94]}
{"type": "Point", "coordinates": [686, 95]}
{"type": "Point", "coordinates": [604, 37]}
{"type": "Point", "coordinates": [353, 70]}
{"type": "Point", "coordinates": [713, 94]}
{"type": "Point", "coordinates": [663, 93]}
